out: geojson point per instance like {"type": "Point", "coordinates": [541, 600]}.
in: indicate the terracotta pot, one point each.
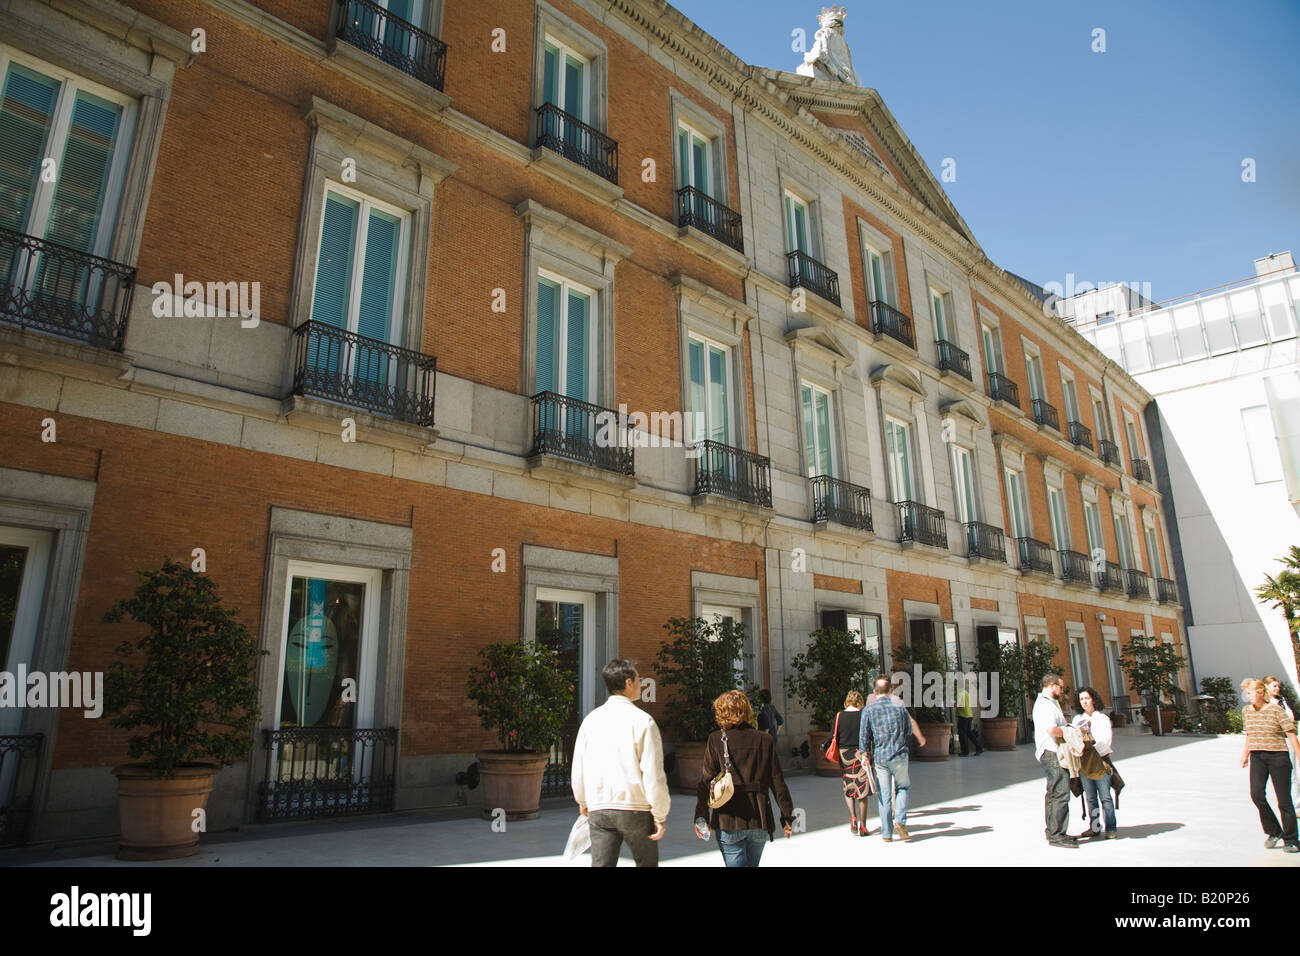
{"type": "Point", "coordinates": [157, 816]}
{"type": "Point", "coordinates": [1119, 720]}
{"type": "Point", "coordinates": [937, 738]}
{"type": "Point", "coordinates": [690, 766]}
{"type": "Point", "coordinates": [1167, 720]}
{"type": "Point", "coordinates": [1000, 732]}
{"type": "Point", "coordinates": [821, 766]}
{"type": "Point", "coordinates": [512, 782]}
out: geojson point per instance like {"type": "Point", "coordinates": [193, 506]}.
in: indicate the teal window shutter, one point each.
{"type": "Point", "coordinates": [809, 435]}
{"type": "Point", "coordinates": [550, 75]}
{"type": "Point", "coordinates": [548, 321]}
{"type": "Point", "coordinates": [379, 276]}
{"type": "Point", "coordinates": [573, 105]}
{"type": "Point", "coordinates": [719, 427]}
{"type": "Point", "coordinates": [576, 364]}
{"type": "Point", "coordinates": [824, 433]}
{"type": "Point", "coordinates": [83, 172]}
{"type": "Point", "coordinates": [26, 115]}
{"type": "Point", "coordinates": [698, 405]}
{"type": "Point", "coordinates": [334, 268]}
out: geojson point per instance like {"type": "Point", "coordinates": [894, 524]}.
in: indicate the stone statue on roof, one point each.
{"type": "Point", "coordinates": [830, 59]}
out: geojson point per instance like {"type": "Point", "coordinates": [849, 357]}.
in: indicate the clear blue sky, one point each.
{"type": "Point", "coordinates": [1117, 166]}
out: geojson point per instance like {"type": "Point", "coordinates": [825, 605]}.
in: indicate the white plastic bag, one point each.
{"type": "Point", "coordinates": [579, 839]}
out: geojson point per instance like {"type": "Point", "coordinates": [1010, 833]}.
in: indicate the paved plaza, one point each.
{"type": "Point", "coordinates": [1186, 804]}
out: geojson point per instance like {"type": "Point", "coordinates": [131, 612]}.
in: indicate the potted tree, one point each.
{"type": "Point", "coordinates": [190, 679]}
{"type": "Point", "coordinates": [1153, 668]}
{"type": "Point", "coordinates": [934, 723]}
{"type": "Point", "coordinates": [699, 661]}
{"type": "Point", "coordinates": [1007, 661]}
{"type": "Point", "coordinates": [833, 664]}
{"type": "Point", "coordinates": [523, 696]}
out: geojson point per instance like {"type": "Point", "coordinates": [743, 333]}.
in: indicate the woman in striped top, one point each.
{"type": "Point", "coordinates": [1268, 731]}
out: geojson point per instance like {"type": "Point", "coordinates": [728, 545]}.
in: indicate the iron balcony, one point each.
{"type": "Point", "coordinates": [841, 502]}
{"type": "Point", "coordinates": [1075, 567]}
{"type": "Point", "coordinates": [18, 773]}
{"type": "Point", "coordinates": [1108, 451]}
{"type": "Point", "coordinates": [577, 142]}
{"type": "Point", "coordinates": [887, 320]}
{"type": "Point", "coordinates": [985, 541]}
{"type": "Point", "coordinates": [579, 431]}
{"type": "Point", "coordinates": [314, 772]}
{"type": "Point", "coordinates": [1110, 577]}
{"type": "Point", "coordinates": [1141, 470]}
{"type": "Point", "coordinates": [1136, 583]}
{"type": "Point", "coordinates": [1045, 414]}
{"type": "Point", "coordinates": [953, 359]}
{"type": "Point", "coordinates": [733, 473]}
{"type": "Point", "coordinates": [1080, 435]}
{"type": "Point", "coordinates": [1002, 389]}
{"type": "Point", "coordinates": [709, 216]}
{"type": "Point", "coordinates": [807, 273]}
{"type": "Point", "coordinates": [369, 27]}
{"type": "Point", "coordinates": [1034, 555]}
{"type": "Point", "coordinates": [1166, 591]}
{"type": "Point", "coordinates": [341, 366]}
{"type": "Point", "coordinates": [63, 291]}
{"type": "Point", "coordinates": [922, 524]}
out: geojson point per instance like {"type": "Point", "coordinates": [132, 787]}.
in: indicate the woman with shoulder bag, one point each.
{"type": "Point", "coordinates": [740, 767]}
{"type": "Point", "coordinates": [1096, 785]}
{"type": "Point", "coordinates": [855, 768]}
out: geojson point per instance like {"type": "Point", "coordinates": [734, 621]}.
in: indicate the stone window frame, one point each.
{"type": "Point", "coordinates": [987, 318]}
{"type": "Point", "coordinates": [1075, 630]}
{"type": "Point", "coordinates": [390, 169]}
{"type": "Point", "coordinates": [711, 315]}
{"type": "Point", "coordinates": [575, 571]}
{"type": "Point", "coordinates": [967, 426]}
{"type": "Point", "coordinates": [945, 290]}
{"type": "Point", "coordinates": [64, 507]}
{"type": "Point", "coordinates": [1151, 519]}
{"type": "Point", "coordinates": [1012, 454]}
{"type": "Point", "coordinates": [304, 536]}
{"type": "Point", "coordinates": [683, 110]}
{"type": "Point", "coordinates": [787, 183]}
{"type": "Point", "coordinates": [1028, 347]}
{"type": "Point", "coordinates": [821, 361]}
{"type": "Point", "coordinates": [1054, 473]}
{"type": "Point", "coordinates": [124, 50]}
{"type": "Point", "coordinates": [901, 395]}
{"type": "Point", "coordinates": [869, 237]}
{"type": "Point", "coordinates": [732, 591]}
{"type": "Point", "coordinates": [557, 244]}
{"type": "Point", "coordinates": [550, 21]}
{"type": "Point", "coordinates": [834, 601]}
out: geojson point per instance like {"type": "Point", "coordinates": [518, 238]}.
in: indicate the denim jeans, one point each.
{"type": "Point", "coordinates": [741, 847]}
{"type": "Point", "coordinates": [609, 828]}
{"type": "Point", "coordinates": [891, 774]}
{"type": "Point", "coordinates": [1056, 804]}
{"type": "Point", "coordinates": [1092, 791]}
{"type": "Point", "coordinates": [1274, 765]}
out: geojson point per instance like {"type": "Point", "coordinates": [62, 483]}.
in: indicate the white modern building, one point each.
{"type": "Point", "coordinates": [1224, 368]}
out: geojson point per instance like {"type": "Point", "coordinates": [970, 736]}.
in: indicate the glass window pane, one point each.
{"type": "Point", "coordinates": [322, 650]}
{"type": "Point", "coordinates": [1247, 316]}
{"type": "Point", "coordinates": [83, 173]}
{"type": "Point", "coordinates": [809, 432]}
{"type": "Point", "coordinates": [1160, 332]}
{"type": "Point", "coordinates": [550, 75]}
{"type": "Point", "coordinates": [548, 335]}
{"type": "Point", "coordinates": [573, 87]}
{"type": "Point", "coordinates": [26, 114]}
{"type": "Point", "coordinates": [1281, 315]}
{"type": "Point", "coordinates": [719, 426]}
{"type": "Point", "coordinates": [1214, 313]}
{"type": "Point", "coordinates": [1187, 322]}
{"type": "Point", "coordinates": [824, 433]}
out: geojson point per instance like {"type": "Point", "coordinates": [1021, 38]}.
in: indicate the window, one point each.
{"type": "Point", "coordinates": [1092, 521]}
{"type": "Point", "coordinates": [695, 160]}
{"type": "Point", "coordinates": [819, 445]}
{"type": "Point", "coordinates": [570, 71]}
{"type": "Point", "coordinates": [898, 441]}
{"type": "Point", "coordinates": [1123, 541]}
{"type": "Point", "coordinates": [1060, 524]}
{"type": "Point", "coordinates": [992, 349]}
{"type": "Point", "coordinates": [1105, 318]}
{"type": "Point", "coordinates": [566, 80]}
{"type": "Point", "coordinates": [880, 275]}
{"type": "Point", "coordinates": [1099, 418]}
{"type": "Point", "coordinates": [710, 376]}
{"type": "Point", "coordinates": [1261, 444]}
{"type": "Point", "coordinates": [393, 37]}
{"type": "Point", "coordinates": [566, 622]}
{"type": "Point", "coordinates": [963, 484]}
{"type": "Point", "coordinates": [714, 614]}
{"type": "Point", "coordinates": [566, 338]}
{"type": "Point", "coordinates": [1078, 662]}
{"type": "Point", "coordinates": [1034, 369]}
{"type": "Point", "coordinates": [945, 326]}
{"type": "Point", "coordinates": [1114, 670]}
{"type": "Point", "coordinates": [1071, 397]}
{"type": "Point", "coordinates": [1130, 432]}
{"type": "Point", "coordinates": [1153, 549]}
{"type": "Point", "coordinates": [24, 560]}
{"type": "Point", "coordinates": [798, 225]}
{"type": "Point", "coordinates": [1017, 508]}
{"type": "Point", "coordinates": [64, 147]}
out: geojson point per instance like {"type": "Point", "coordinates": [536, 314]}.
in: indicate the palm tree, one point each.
{"type": "Point", "coordinates": [1283, 590]}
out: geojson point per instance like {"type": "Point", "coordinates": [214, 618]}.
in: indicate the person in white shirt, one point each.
{"type": "Point", "coordinates": [1048, 721]}
{"type": "Point", "coordinates": [1095, 721]}
{"type": "Point", "coordinates": [618, 772]}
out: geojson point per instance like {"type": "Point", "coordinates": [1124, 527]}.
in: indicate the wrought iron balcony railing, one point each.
{"type": "Point", "coordinates": [18, 753]}
{"type": "Point", "coordinates": [887, 320]}
{"type": "Point", "coordinates": [922, 524]}
{"type": "Point", "coordinates": [710, 217]}
{"type": "Point", "coordinates": [985, 541]}
{"type": "Point", "coordinates": [1080, 435]}
{"type": "Point", "coordinates": [579, 431]}
{"type": "Point", "coordinates": [576, 141]}
{"type": "Point", "coordinates": [314, 772]}
{"type": "Point", "coordinates": [1108, 451]}
{"type": "Point", "coordinates": [1111, 577]}
{"type": "Point", "coordinates": [733, 473]}
{"type": "Point", "coordinates": [1045, 414]}
{"type": "Point", "coordinates": [341, 366]}
{"type": "Point", "coordinates": [1075, 567]}
{"type": "Point", "coordinates": [806, 272]}
{"type": "Point", "coordinates": [1002, 389]}
{"type": "Point", "coordinates": [953, 359]}
{"type": "Point", "coordinates": [1136, 583]}
{"type": "Point", "coordinates": [1034, 555]}
{"type": "Point", "coordinates": [841, 502]}
{"type": "Point", "coordinates": [1141, 470]}
{"type": "Point", "coordinates": [1166, 591]}
{"type": "Point", "coordinates": [369, 27]}
{"type": "Point", "coordinates": [60, 290]}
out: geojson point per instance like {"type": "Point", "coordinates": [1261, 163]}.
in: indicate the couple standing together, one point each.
{"type": "Point", "coordinates": [872, 744]}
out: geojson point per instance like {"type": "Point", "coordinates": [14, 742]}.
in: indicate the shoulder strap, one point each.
{"type": "Point", "coordinates": [726, 753]}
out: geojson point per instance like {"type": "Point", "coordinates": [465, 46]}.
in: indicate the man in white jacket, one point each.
{"type": "Point", "coordinates": [618, 772]}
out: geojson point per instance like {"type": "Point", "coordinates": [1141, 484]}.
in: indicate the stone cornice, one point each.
{"type": "Point", "coordinates": [348, 128]}
{"type": "Point", "coordinates": [130, 26]}
{"type": "Point", "coordinates": [684, 287]}
{"type": "Point", "coordinates": [535, 215]}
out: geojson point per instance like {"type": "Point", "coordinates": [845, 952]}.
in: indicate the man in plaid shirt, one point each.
{"type": "Point", "coordinates": [883, 735]}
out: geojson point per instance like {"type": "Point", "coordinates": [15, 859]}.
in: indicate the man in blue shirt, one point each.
{"type": "Point", "coordinates": [883, 735]}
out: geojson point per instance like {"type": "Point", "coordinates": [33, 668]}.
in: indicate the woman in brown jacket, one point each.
{"type": "Point", "coordinates": [744, 823]}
